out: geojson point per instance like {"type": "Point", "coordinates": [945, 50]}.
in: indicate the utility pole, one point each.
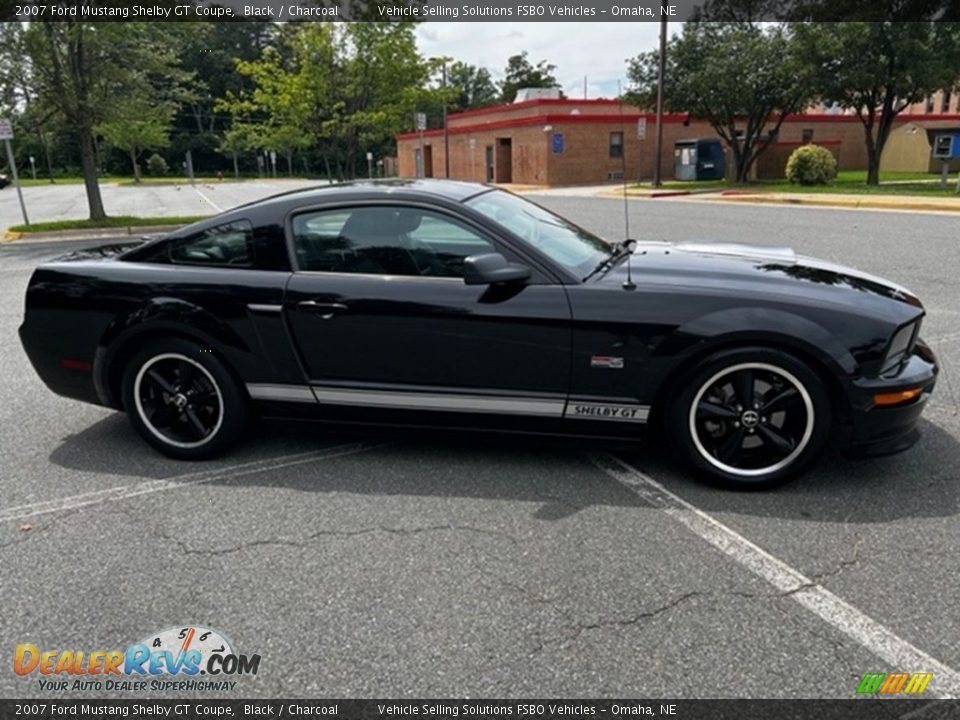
{"type": "Point", "coordinates": [663, 66]}
{"type": "Point", "coordinates": [446, 139]}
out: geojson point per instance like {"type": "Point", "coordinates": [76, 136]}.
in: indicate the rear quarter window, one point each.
{"type": "Point", "coordinates": [227, 245]}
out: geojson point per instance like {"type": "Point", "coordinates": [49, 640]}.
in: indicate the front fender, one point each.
{"type": "Point", "coordinates": [748, 324]}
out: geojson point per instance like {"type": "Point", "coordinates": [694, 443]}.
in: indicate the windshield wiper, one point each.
{"type": "Point", "coordinates": [619, 252]}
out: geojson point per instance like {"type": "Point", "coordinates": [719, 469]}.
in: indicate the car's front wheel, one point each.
{"type": "Point", "coordinates": [750, 418]}
{"type": "Point", "coordinates": [183, 400]}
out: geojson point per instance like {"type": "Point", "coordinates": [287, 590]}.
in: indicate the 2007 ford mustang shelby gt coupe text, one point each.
{"type": "Point", "coordinates": [462, 305]}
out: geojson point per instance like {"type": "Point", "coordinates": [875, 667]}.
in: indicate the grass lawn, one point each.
{"type": "Point", "coordinates": [852, 182]}
{"type": "Point", "coordinates": [119, 221]}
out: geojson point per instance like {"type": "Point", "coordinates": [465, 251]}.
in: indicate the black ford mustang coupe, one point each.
{"type": "Point", "coordinates": [461, 305]}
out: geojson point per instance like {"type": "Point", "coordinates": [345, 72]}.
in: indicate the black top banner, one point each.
{"type": "Point", "coordinates": [481, 10]}
{"type": "Point", "coordinates": [864, 709]}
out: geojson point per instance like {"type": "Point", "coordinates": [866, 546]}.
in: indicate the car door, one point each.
{"type": "Point", "coordinates": [381, 316]}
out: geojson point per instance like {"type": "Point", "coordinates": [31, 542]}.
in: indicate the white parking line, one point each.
{"type": "Point", "coordinates": [122, 492]}
{"type": "Point", "coordinates": [211, 202]}
{"type": "Point", "coordinates": [878, 639]}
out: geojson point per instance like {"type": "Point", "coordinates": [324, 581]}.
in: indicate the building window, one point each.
{"type": "Point", "coordinates": [807, 136]}
{"type": "Point", "coordinates": [945, 102]}
{"type": "Point", "coordinates": [616, 144]}
{"type": "Point", "coordinates": [928, 108]}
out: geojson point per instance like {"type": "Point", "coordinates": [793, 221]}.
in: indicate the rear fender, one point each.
{"type": "Point", "coordinates": [157, 317]}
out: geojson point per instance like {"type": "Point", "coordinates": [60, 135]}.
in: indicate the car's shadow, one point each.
{"type": "Point", "coordinates": [555, 472]}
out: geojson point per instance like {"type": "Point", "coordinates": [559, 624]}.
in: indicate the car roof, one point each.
{"type": "Point", "coordinates": [454, 190]}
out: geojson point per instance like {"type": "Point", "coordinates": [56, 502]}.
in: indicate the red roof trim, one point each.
{"type": "Point", "coordinates": [555, 118]}
{"type": "Point", "coordinates": [632, 116]}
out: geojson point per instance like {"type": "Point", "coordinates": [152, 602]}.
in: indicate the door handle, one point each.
{"type": "Point", "coordinates": [325, 310]}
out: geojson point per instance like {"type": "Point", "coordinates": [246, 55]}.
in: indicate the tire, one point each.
{"type": "Point", "coordinates": [749, 418]}
{"type": "Point", "coordinates": [184, 401]}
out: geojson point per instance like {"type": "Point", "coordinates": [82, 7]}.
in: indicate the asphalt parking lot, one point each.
{"type": "Point", "coordinates": [69, 201]}
{"type": "Point", "coordinates": [391, 565]}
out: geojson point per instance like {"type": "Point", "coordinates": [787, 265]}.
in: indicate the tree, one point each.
{"type": "Point", "coordinates": [475, 87]}
{"type": "Point", "coordinates": [87, 71]}
{"type": "Point", "coordinates": [520, 73]}
{"type": "Point", "coordinates": [741, 77]}
{"type": "Point", "coordinates": [17, 99]}
{"type": "Point", "coordinates": [370, 81]}
{"type": "Point", "coordinates": [877, 69]}
{"type": "Point", "coordinates": [141, 123]}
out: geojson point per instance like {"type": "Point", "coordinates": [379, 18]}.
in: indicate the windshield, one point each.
{"type": "Point", "coordinates": [562, 241]}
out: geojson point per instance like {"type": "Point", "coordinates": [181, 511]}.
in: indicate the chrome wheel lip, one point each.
{"type": "Point", "coordinates": [752, 472]}
{"type": "Point", "coordinates": [138, 381]}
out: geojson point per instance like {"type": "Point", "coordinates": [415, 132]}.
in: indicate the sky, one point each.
{"type": "Point", "coordinates": [597, 50]}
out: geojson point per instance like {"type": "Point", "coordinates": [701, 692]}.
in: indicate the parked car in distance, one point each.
{"type": "Point", "coordinates": [4, 180]}
{"type": "Point", "coordinates": [464, 306]}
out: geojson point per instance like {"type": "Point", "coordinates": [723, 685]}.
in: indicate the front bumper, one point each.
{"type": "Point", "coordinates": [884, 430]}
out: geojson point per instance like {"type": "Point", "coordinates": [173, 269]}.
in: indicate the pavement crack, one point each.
{"type": "Point", "coordinates": [187, 549]}
{"type": "Point", "coordinates": [574, 632]}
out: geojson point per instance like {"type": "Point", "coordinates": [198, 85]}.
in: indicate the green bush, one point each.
{"type": "Point", "coordinates": [811, 165]}
{"type": "Point", "coordinates": [156, 165]}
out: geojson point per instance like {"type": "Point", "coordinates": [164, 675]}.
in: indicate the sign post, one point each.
{"type": "Point", "coordinates": [641, 137]}
{"type": "Point", "coordinates": [33, 167]}
{"type": "Point", "coordinates": [370, 165]}
{"type": "Point", "coordinates": [6, 134]}
{"type": "Point", "coordinates": [421, 122]}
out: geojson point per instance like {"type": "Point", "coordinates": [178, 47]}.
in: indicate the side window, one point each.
{"type": "Point", "coordinates": [385, 241]}
{"type": "Point", "coordinates": [230, 245]}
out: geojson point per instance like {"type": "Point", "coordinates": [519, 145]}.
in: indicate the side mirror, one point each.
{"type": "Point", "coordinates": [490, 268]}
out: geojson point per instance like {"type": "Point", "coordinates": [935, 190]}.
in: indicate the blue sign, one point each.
{"type": "Point", "coordinates": [557, 143]}
{"type": "Point", "coordinates": [946, 146]}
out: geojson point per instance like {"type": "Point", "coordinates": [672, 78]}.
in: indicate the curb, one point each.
{"type": "Point", "coordinates": [645, 194]}
{"type": "Point", "coordinates": [866, 203]}
{"type": "Point", "coordinates": [88, 234]}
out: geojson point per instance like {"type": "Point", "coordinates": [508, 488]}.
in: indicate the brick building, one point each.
{"type": "Point", "coordinates": [548, 141]}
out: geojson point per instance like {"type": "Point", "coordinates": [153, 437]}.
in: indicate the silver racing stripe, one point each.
{"type": "Point", "coordinates": [280, 393]}
{"type": "Point", "coordinates": [442, 402]}
{"type": "Point", "coordinates": [451, 402]}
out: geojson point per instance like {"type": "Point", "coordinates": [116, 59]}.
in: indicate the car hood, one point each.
{"type": "Point", "coordinates": [734, 266]}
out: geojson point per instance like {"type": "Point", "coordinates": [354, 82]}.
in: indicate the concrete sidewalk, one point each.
{"type": "Point", "coordinates": [919, 203]}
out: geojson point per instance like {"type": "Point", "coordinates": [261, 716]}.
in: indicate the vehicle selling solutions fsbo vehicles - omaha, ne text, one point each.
{"type": "Point", "coordinates": [462, 305]}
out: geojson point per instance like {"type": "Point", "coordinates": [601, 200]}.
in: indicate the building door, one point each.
{"type": "Point", "coordinates": [489, 161]}
{"type": "Point", "coordinates": [504, 160]}
{"type": "Point", "coordinates": [428, 161]}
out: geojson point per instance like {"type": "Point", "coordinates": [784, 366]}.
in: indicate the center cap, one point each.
{"type": "Point", "coordinates": [750, 419]}
{"type": "Point", "coordinates": [180, 400]}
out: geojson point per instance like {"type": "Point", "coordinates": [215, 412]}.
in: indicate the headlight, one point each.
{"type": "Point", "coordinates": [900, 346]}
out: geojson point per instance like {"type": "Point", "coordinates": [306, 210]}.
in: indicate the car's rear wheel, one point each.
{"type": "Point", "coordinates": [183, 400]}
{"type": "Point", "coordinates": [750, 418]}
